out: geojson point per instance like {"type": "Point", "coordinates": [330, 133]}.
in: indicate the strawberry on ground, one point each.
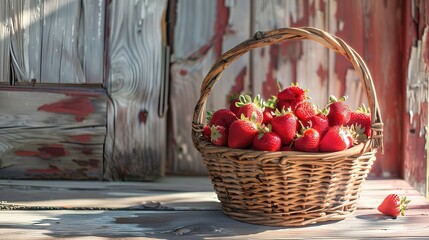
{"type": "Point", "coordinates": [392, 205]}
{"type": "Point", "coordinates": [308, 141]}
{"type": "Point", "coordinates": [241, 133]}
{"type": "Point", "coordinates": [361, 119]}
{"type": "Point", "coordinates": [284, 124]}
{"type": "Point", "coordinates": [266, 140]}
{"type": "Point", "coordinates": [339, 111]}
{"type": "Point", "coordinates": [249, 107]}
{"type": "Point", "coordinates": [337, 138]}
{"type": "Point", "coordinates": [222, 117]}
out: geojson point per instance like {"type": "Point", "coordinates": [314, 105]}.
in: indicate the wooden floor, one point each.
{"type": "Point", "coordinates": [180, 208]}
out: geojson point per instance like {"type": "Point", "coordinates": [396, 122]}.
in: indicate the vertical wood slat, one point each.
{"type": "Point", "coordinates": [416, 80]}
{"type": "Point", "coordinates": [4, 42]}
{"type": "Point", "coordinates": [52, 134]}
{"type": "Point", "coordinates": [224, 24]}
{"type": "Point", "coordinates": [135, 146]}
{"type": "Point", "coordinates": [57, 41]}
{"type": "Point", "coordinates": [302, 62]}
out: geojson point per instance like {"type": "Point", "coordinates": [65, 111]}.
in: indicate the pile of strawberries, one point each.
{"type": "Point", "coordinates": [288, 122]}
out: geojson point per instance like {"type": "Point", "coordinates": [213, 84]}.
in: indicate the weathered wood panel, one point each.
{"type": "Point", "coordinates": [415, 84]}
{"type": "Point", "coordinates": [136, 138]}
{"type": "Point", "coordinates": [217, 26]}
{"type": "Point", "coordinates": [302, 62]}
{"type": "Point", "coordinates": [57, 41]}
{"type": "Point", "coordinates": [4, 42]}
{"type": "Point", "coordinates": [52, 134]}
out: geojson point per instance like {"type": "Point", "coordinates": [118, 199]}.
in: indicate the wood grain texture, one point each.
{"type": "Point", "coordinates": [229, 23]}
{"type": "Point", "coordinates": [56, 41]}
{"type": "Point", "coordinates": [4, 42]}
{"type": "Point", "coordinates": [136, 138]}
{"type": "Point", "coordinates": [416, 80]}
{"type": "Point", "coordinates": [52, 134]}
{"type": "Point", "coordinates": [302, 62]}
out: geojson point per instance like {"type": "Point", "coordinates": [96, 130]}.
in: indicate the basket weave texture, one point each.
{"type": "Point", "coordinates": [288, 188]}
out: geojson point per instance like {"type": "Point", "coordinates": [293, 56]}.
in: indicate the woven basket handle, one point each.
{"type": "Point", "coordinates": [261, 39]}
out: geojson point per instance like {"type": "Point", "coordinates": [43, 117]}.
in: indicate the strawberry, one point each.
{"type": "Point", "coordinates": [266, 140]}
{"type": "Point", "coordinates": [232, 105]}
{"type": "Point", "coordinates": [337, 138]}
{"type": "Point", "coordinates": [249, 107]}
{"type": "Point", "coordinates": [284, 124]}
{"type": "Point", "coordinates": [241, 133]}
{"type": "Point", "coordinates": [319, 122]}
{"type": "Point", "coordinates": [361, 119]}
{"type": "Point", "coordinates": [308, 141]}
{"type": "Point", "coordinates": [293, 93]}
{"type": "Point", "coordinates": [286, 148]}
{"type": "Point", "coordinates": [305, 110]}
{"type": "Point", "coordinates": [290, 97]}
{"type": "Point", "coordinates": [268, 115]}
{"type": "Point", "coordinates": [218, 135]}
{"type": "Point", "coordinates": [206, 132]}
{"type": "Point", "coordinates": [222, 117]}
{"type": "Point", "coordinates": [392, 205]}
{"type": "Point", "coordinates": [339, 111]}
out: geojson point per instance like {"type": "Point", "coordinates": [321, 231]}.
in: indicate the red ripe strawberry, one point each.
{"type": "Point", "coordinates": [339, 111]}
{"type": "Point", "coordinates": [241, 133]}
{"type": "Point", "coordinates": [206, 132]}
{"type": "Point", "coordinates": [308, 141]}
{"type": "Point", "coordinates": [292, 93]}
{"type": "Point", "coordinates": [284, 124]}
{"type": "Point", "coordinates": [251, 109]}
{"type": "Point", "coordinates": [290, 97]}
{"type": "Point", "coordinates": [219, 135]}
{"type": "Point", "coordinates": [222, 117]}
{"type": "Point", "coordinates": [361, 119]}
{"type": "Point", "coordinates": [320, 123]}
{"type": "Point", "coordinates": [268, 115]}
{"type": "Point", "coordinates": [392, 205]}
{"type": "Point", "coordinates": [337, 138]}
{"type": "Point", "coordinates": [305, 110]}
{"type": "Point", "coordinates": [266, 140]}
{"type": "Point", "coordinates": [286, 148]}
{"type": "Point", "coordinates": [233, 107]}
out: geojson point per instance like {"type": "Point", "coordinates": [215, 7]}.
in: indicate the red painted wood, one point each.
{"type": "Point", "coordinates": [413, 145]}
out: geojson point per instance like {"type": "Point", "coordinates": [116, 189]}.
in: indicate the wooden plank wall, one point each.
{"type": "Point", "coordinates": [52, 134]}
{"type": "Point", "coordinates": [136, 132]}
{"type": "Point", "coordinates": [201, 32]}
{"type": "Point", "coordinates": [373, 28]}
{"type": "Point", "coordinates": [416, 80]}
{"type": "Point", "coordinates": [49, 130]}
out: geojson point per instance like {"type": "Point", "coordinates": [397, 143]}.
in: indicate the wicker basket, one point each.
{"type": "Point", "coordinates": [288, 188]}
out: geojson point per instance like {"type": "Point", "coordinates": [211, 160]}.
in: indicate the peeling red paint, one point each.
{"type": "Point", "coordinates": [26, 153]}
{"type": "Point", "coordinates": [82, 163]}
{"type": "Point", "coordinates": [183, 72]}
{"type": "Point", "coordinates": [43, 171]}
{"type": "Point", "coordinates": [94, 163]}
{"type": "Point", "coordinates": [143, 116]}
{"type": "Point", "coordinates": [221, 25]}
{"type": "Point", "coordinates": [54, 150]}
{"type": "Point", "coordinates": [82, 138]}
{"type": "Point", "coordinates": [323, 74]}
{"type": "Point", "coordinates": [79, 106]}
{"type": "Point", "coordinates": [238, 86]}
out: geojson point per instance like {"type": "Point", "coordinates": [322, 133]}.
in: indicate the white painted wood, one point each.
{"type": "Point", "coordinates": [135, 146]}
{"type": "Point", "coordinates": [4, 42]}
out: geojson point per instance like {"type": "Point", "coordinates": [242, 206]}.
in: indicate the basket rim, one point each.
{"type": "Point", "coordinates": [261, 39]}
